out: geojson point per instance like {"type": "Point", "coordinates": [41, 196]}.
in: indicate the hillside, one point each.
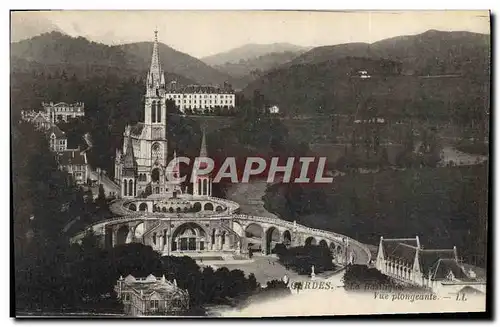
{"type": "Point", "coordinates": [245, 71]}
{"type": "Point", "coordinates": [176, 62]}
{"type": "Point", "coordinates": [251, 51]}
{"type": "Point", "coordinates": [321, 80]}
{"type": "Point", "coordinates": [57, 49]}
{"type": "Point", "coordinates": [432, 52]}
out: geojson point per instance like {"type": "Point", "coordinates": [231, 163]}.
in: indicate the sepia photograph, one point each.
{"type": "Point", "coordinates": [246, 164]}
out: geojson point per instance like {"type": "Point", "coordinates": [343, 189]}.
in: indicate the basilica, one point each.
{"type": "Point", "coordinates": [142, 166]}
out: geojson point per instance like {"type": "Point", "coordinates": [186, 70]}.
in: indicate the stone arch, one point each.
{"type": "Point", "coordinates": [238, 229]}
{"type": "Point", "coordinates": [254, 234]}
{"type": "Point", "coordinates": [197, 206]}
{"type": "Point", "coordinates": [178, 209]}
{"type": "Point", "coordinates": [254, 230]}
{"type": "Point", "coordinates": [132, 207]}
{"type": "Point", "coordinates": [170, 209]}
{"type": "Point", "coordinates": [332, 248]}
{"type": "Point", "coordinates": [310, 241]}
{"type": "Point", "coordinates": [272, 238]}
{"type": "Point", "coordinates": [218, 208]}
{"type": "Point", "coordinates": [323, 243]}
{"type": "Point", "coordinates": [164, 209]}
{"type": "Point", "coordinates": [188, 237]}
{"type": "Point", "coordinates": [339, 249]}
{"type": "Point", "coordinates": [208, 207]}
{"type": "Point", "coordinates": [287, 238]}
{"type": "Point", "coordinates": [121, 235]}
{"type": "Point", "coordinates": [143, 206]}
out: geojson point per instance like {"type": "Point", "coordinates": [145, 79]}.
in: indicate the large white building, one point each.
{"type": "Point", "coordinates": [200, 97]}
{"type": "Point", "coordinates": [62, 111]}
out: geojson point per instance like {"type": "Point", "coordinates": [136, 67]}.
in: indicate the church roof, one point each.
{"type": "Point", "coordinates": [136, 130]}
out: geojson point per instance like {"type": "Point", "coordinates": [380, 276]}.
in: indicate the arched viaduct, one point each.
{"type": "Point", "coordinates": [214, 229]}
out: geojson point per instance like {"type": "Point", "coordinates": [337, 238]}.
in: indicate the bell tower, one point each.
{"type": "Point", "coordinates": [154, 107]}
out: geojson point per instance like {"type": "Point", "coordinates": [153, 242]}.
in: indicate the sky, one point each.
{"type": "Point", "coordinates": [204, 33]}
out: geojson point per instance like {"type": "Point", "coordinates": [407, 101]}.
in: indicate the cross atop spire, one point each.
{"type": "Point", "coordinates": [156, 34]}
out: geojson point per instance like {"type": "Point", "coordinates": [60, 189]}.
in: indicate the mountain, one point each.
{"type": "Point", "coordinates": [176, 62]}
{"type": "Point", "coordinates": [250, 51]}
{"type": "Point", "coordinates": [427, 53]}
{"type": "Point", "coordinates": [57, 49]}
{"type": "Point", "coordinates": [245, 71]}
{"type": "Point", "coordinates": [320, 79]}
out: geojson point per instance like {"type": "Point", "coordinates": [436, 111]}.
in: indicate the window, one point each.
{"type": "Point", "coordinates": [127, 297]}
{"type": "Point", "coordinates": [154, 304]}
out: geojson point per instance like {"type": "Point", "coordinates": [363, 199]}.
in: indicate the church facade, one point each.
{"type": "Point", "coordinates": [141, 166]}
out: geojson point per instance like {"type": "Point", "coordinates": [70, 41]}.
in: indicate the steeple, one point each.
{"type": "Point", "coordinates": [155, 76]}
{"type": "Point", "coordinates": [129, 159]}
{"type": "Point", "coordinates": [203, 148]}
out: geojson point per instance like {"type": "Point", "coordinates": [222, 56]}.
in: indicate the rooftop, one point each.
{"type": "Point", "coordinates": [72, 157]}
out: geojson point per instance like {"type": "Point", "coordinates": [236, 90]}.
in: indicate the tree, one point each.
{"type": "Point", "coordinates": [101, 198]}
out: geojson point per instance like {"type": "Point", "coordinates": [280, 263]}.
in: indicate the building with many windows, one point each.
{"type": "Point", "coordinates": [58, 141]}
{"type": "Point", "coordinates": [151, 296]}
{"type": "Point", "coordinates": [74, 162]}
{"type": "Point", "coordinates": [62, 111]}
{"type": "Point", "coordinates": [38, 118]}
{"type": "Point", "coordinates": [200, 97]}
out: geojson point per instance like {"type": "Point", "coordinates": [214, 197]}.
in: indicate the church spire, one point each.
{"type": "Point", "coordinates": [129, 159]}
{"type": "Point", "coordinates": [203, 148]}
{"type": "Point", "coordinates": [155, 76]}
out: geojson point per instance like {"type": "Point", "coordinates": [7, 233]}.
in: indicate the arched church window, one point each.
{"type": "Point", "coordinates": [125, 187]}
{"type": "Point", "coordinates": [130, 187]}
{"type": "Point", "coordinates": [156, 151]}
{"type": "Point", "coordinates": [153, 112]}
{"type": "Point", "coordinates": [158, 115]}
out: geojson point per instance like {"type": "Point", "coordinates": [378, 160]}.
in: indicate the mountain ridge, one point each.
{"type": "Point", "coordinates": [54, 48]}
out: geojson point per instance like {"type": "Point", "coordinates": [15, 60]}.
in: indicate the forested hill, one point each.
{"type": "Point", "coordinates": [59, 49]}
{"type": "Point", "coordinates": [322, 78]}
{"type": "Point", "coordinates": [429, 53]}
